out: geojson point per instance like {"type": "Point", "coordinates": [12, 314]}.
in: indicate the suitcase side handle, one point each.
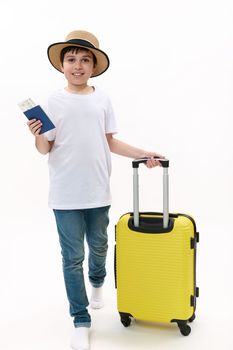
{"type": "Point", "coordinates": [165, 165]}
{"type": "Point", "coordinates": [164, 162]}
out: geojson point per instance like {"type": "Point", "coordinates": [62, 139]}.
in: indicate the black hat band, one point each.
{"type": "Point", "coordinates": [81, 42]}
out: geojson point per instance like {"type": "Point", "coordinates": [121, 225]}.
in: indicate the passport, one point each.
{"type": "Point", "coordinates": [34, 111]}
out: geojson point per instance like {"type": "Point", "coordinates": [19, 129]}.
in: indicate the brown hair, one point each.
{"type": "Point", "coordinates": [75, 49]}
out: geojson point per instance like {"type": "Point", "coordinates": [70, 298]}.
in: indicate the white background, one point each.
{"type": "Point", "coordinates": [171, 85]}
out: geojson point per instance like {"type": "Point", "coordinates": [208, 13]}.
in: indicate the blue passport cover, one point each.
{"type": "Point", "coordinates": [38, 113]}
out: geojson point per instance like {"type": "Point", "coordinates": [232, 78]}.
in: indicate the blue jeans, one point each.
{"type": "Point", "coordinates": [73, 226]}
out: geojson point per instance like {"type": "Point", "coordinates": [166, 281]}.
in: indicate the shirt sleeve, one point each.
{"type": "Point", "coordinates": [110, 120]}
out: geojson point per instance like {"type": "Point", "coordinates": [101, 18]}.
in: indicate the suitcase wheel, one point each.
{"type": "Point", "coordinates": [184, 328]}
{"type": "Point", "coordinates": [125, 320]}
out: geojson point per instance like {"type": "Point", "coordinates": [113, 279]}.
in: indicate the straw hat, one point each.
{"type": "Point", "coordinates": [79, 38]}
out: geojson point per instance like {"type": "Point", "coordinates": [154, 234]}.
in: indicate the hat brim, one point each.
{"type": "Point", "coordinates": [54, 53]}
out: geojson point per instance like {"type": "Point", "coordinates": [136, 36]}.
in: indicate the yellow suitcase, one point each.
{"type": "Point", "coordinates": [155, 263]}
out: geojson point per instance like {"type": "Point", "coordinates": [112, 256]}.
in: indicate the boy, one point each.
{"type": "Point", "coordinates": [79, 166]}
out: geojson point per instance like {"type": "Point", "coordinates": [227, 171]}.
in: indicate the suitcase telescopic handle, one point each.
{"type": "Point", "coordinates": [165, 164]}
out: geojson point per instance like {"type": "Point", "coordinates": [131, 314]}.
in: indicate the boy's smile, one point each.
{"type": "Point", "coordinates": [78, 67]}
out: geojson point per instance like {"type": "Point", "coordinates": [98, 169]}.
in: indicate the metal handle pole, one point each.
{"type": "Point", "coordinates": [165, 165]}
{"type": "Point", "coordinates": [135, 197]}
{"type": "Point", "coordinates": [165, 197]}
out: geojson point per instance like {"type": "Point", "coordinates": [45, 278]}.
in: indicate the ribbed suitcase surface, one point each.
{"type": "Point", "coordinates": [155, 272]}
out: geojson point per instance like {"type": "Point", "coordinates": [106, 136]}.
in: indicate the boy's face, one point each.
{"type": "Point", "coordinates": [78, 67]}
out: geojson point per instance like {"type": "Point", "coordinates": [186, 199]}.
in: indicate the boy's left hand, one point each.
{"type": "Point", "coordinates": [152, 162]}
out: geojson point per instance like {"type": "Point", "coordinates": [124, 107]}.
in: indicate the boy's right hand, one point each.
{"type": "Point", "coordinates": [35, 126]}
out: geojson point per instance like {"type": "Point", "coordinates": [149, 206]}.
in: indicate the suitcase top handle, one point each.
{"type": "Point", "coordinates": [136, 162]}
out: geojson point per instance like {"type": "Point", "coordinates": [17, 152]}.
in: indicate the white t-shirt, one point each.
{"type": "Point", "coordinates": [80, 160]}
